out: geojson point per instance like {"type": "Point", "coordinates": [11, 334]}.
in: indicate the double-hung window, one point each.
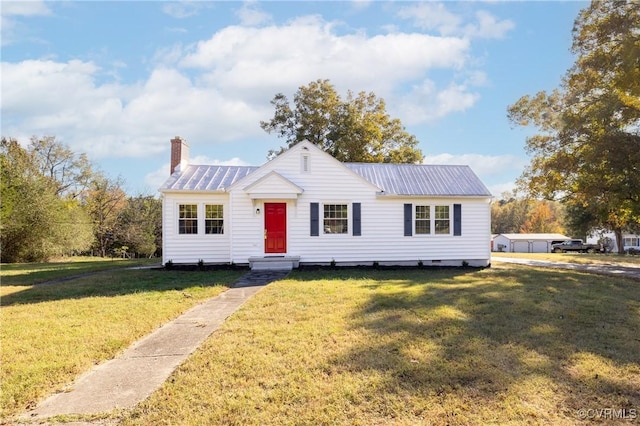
{"type": "Point", "coordinates": [213, 219]}
{"type": "Point", "coordinates": [430, 220]}
{"type": "Point", "coordinates": [442, 220]}
{"type": "Point", "coordinates": [423, 219]}
{"type": "Point", "coordinates": [188, 219]}
{"type": "Point", "coordinates": [336, 219]}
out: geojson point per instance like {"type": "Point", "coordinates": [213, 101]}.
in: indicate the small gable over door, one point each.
{"type": "Point", "coordinates": [273, 185]}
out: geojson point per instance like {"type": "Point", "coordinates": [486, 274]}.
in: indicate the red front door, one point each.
{"type": "Point", "coordinates": [275, 227]}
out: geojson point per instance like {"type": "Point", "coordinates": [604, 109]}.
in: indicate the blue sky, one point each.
{"type": "Point", "coordinates": [118, 79]}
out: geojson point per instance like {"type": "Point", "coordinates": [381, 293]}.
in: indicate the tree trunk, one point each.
{"type": "Point", "coordinates": [619, 240]}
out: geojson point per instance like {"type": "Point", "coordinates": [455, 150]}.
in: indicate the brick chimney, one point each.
{"type": "Point", "coordinates": [179, 153]}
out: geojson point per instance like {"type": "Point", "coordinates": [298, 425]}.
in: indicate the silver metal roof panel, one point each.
{"type": "Point", "coordinates": [205, 178]}
{"type": "Point", "coordinates": [393, 179]}
{"type": "Point", "coordinates": [422, 179]}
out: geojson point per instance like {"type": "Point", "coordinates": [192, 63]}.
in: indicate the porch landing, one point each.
{"type": "Point", "coordinates": [273, 263]}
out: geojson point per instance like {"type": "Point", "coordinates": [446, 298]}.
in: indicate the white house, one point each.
{"type": "Point", "coordinates": [629, 241]}
{"type": "Point", "coordinates": [306, 207]}
{"type": "Point", "coordinates": [526, 243]}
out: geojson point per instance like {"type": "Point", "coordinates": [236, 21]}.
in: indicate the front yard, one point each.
{"type": "Point", "coordinates": [504, 345]}
{"type": "Point", "coordinates": [52, 333]}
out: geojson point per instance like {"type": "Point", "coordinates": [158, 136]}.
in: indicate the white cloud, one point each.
{"type": "Point", "coordinates": [500, 188]}
{"type": "Point", "coordinates": [109, 120]}
{"type": "Point", "coordinates": [432, 16]}
{"type": "Point", "coordinates": [426, 102]}
{"type": "Point", "coordinates": [219, 89]}
{"type": "Point", "coordinates": [12, 29]}
{"type": "Point", "coordinates": [251, 15]}
{"type": "Point", "coordinates": [24, 8]}
{"type": "Point", "coordinates": [483, 165]}
{"type": "Point", "coordinates": [183, 9]}
{"type": "Point", "coordinates": [272, 59]}
{"type": "Point", "coordinates": [359, 5]}
{"type": "Point", "coordinates": [156, 178]}
{"type": "Point", "coordinates": [488, 26]}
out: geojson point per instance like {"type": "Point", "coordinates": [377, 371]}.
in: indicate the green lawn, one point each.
{"type": "Point", "coordinates": [505, 345]}
{"type": "Point", "coordinates": [52, 333]}
{"type": "Point", "coordinates": [584, 258]}
{"type": "Point", "coordinates": [34, 273]}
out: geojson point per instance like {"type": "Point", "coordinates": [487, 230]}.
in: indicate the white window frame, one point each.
{"type": "Point", "coordinates": [221, 219]}
{"type": "Point", "coordinates": [432, 220]}
{"type": "Point", "coordinates": [347, 218]}
{"type": "Point", "coordinates": [436, 219]}
{"type": "Point", "coordinates": [426, 220]}
{"type": "Point", "coordinates": [180, 219]}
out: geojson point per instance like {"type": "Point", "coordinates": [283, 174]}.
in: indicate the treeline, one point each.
{"type": "Point", "coordinates": [512, 214]}
{"type": "Point", "coordinates": [55, 203]}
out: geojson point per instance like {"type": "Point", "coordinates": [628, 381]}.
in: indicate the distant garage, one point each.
{"type": "Point", "coordinates": [525, 243]}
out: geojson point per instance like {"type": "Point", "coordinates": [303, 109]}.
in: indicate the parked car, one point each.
{"type": "Point", "coordinates": [576, 246]}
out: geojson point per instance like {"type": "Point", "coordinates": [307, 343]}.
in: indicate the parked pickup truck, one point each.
{"type": "Point", "coordinates": [576, 246]}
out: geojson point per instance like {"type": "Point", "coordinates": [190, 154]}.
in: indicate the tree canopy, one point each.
{"type": "Point", "coordinates": [513, 214]}
{"type": "Point", "coordinates": [35, 222]}
{"type": "Point", "coordinates": [587, 151]}
{"type": "Point", "coordinates": [54, 203]}
{"type": "Point", "coordinates": [357, 129]}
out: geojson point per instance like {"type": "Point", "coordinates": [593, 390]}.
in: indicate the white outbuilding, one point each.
{"type": "Point", "coordinates": [526, 243]}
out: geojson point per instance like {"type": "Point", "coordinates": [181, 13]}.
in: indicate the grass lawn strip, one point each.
{"type": "Point", "coordinates": [505, 345]}
{"type": "Point", "coordinates": [580, 258]}
{"type": "Point", "coordinates": [51, 334]}
{"type": "Point", "coordinates": [35, 273]}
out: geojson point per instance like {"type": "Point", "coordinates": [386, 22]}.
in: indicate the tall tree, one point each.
{"type": "Point", "coordinates": [357, 129]}
{"type": "Point", "coordinates": [588, 149]}
{"type": "Point", "coordinates": [70, 172]}
{"type": "Point", "coordinates": [104, 200]}
{"type": "Point", "coordinates": [542, 218]}
{"type": "Point", "coordinates": [140, 225]}
{"type": "Point", "coordinates": [35, 222]}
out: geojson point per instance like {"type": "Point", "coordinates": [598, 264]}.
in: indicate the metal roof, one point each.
{"type": "Point", "coordinates": [206, 178]}
{"type": "Point", "coordinates": [393, 179]}
{"type": "Point", "coordinates": [540, 236]}
{"type": "Point", "coordinates": [422, 179]}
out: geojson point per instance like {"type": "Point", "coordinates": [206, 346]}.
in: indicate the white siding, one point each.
{"type": "Point", "coordinates": [326, 182]}
{"type": "Point", "coordinates": [190, 248]}
{"type": "Point", "coordinates": [382, 239]}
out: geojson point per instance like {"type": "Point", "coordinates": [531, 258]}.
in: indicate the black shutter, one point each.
{"type": "Point", "coordinates": [408, 222]}
{"type": "Point", "coordinates": [315, 219]}
{"type": "Point", "coordinates": [457, 219]}
{"type": "Point", "coordinates": [357, 226]}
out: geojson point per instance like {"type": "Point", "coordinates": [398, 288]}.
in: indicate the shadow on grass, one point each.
{"type": "Point", "coordinates": [27, 274]}
{"type": "Point", "coordinates": [120, 282]}
{"type": "Point", "coordinates": [483, 334]}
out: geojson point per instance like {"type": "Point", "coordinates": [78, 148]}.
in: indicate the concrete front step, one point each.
{"type": "Point", "coordinates": [273, 263]}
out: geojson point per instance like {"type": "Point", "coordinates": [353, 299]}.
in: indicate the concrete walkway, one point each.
{"type": "Point", "coordinates": [597, 268]}
{"type": "Point", "coordinates": [130, 378]}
